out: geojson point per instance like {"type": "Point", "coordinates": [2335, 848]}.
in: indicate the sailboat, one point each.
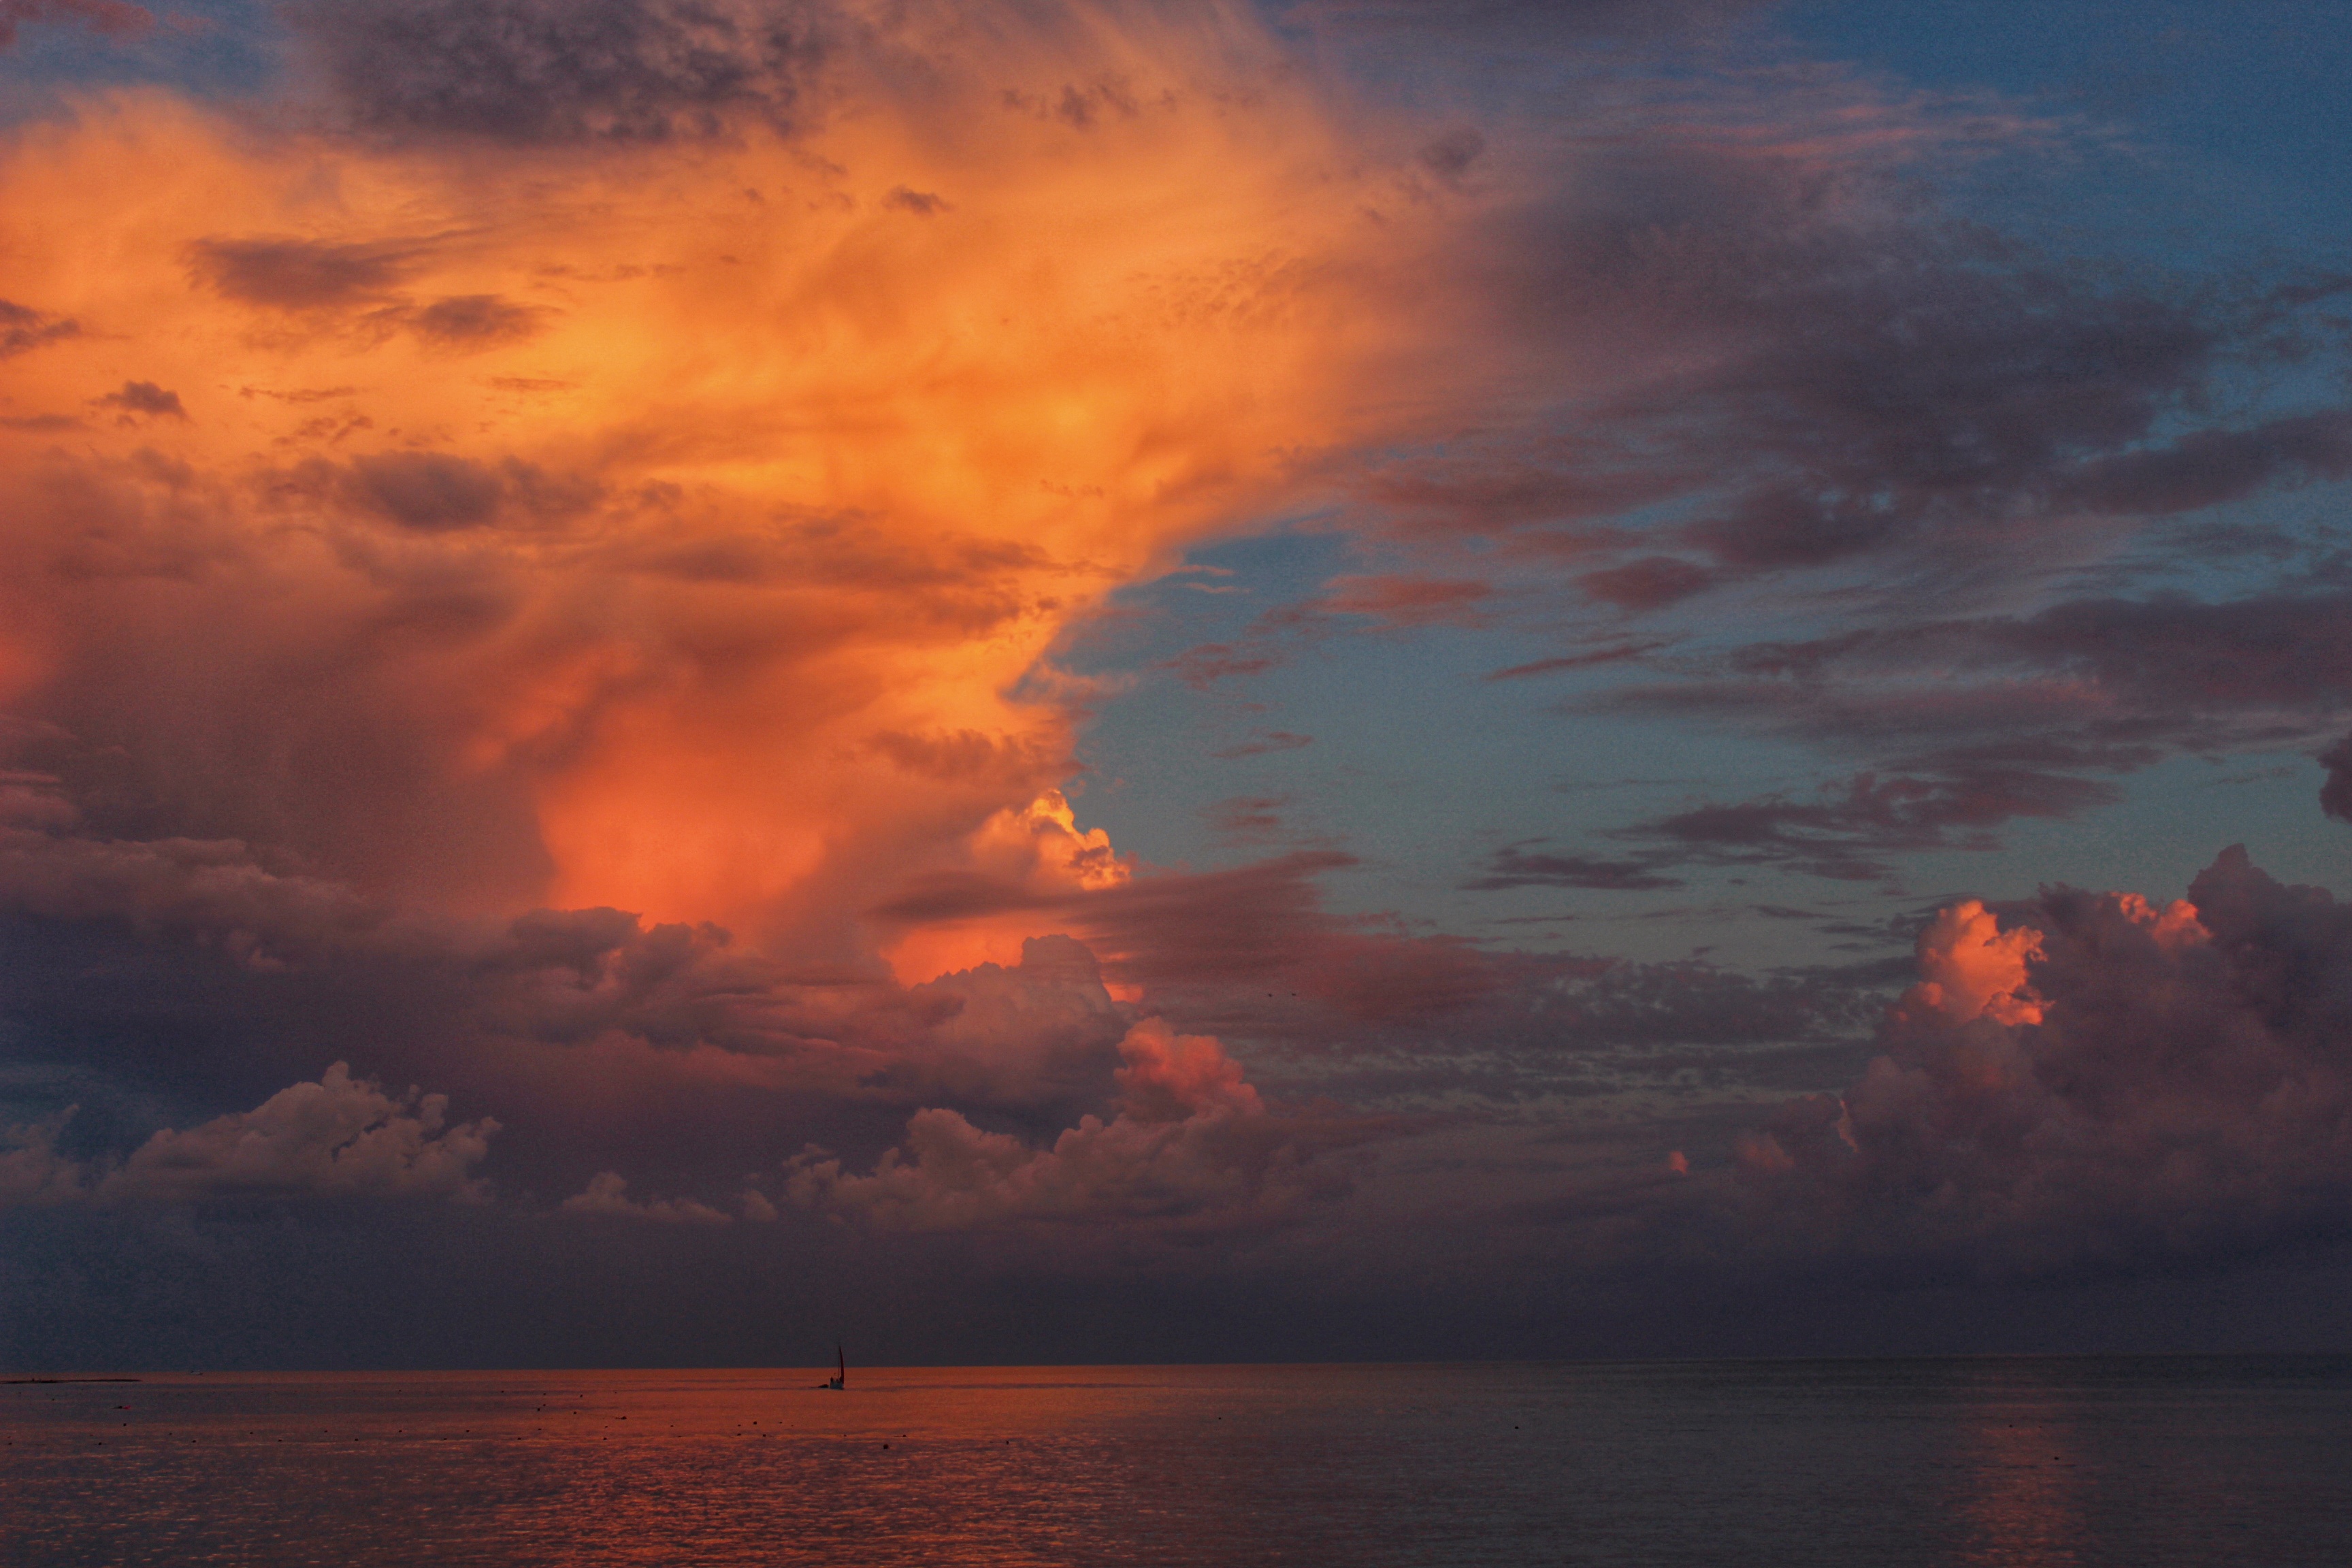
{"type": "Point", "coordinates": [840, 1368]}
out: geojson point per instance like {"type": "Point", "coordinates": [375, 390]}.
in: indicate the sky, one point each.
{"type": "Point", "coordinates": [1061, 680]}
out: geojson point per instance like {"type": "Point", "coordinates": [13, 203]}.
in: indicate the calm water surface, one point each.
{"type": "Point", "coordinates": [2236, 1461]}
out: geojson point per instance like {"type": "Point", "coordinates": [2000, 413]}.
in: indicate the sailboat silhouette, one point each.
{"type": "Point", "coordinates": [840, 1368]}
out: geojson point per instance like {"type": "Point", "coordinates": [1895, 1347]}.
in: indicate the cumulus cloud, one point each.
{"type": "Point", "coordinates": [32, 1171]}
{"type": "Point", "coordinates": [1190, 1149]}
{"type": "Point", "coordinates": [2091, 1081]}
{"type": "Point", "coordinates": [606, 1196]}
{"type": "Point", "coordinates": [338, 1137]}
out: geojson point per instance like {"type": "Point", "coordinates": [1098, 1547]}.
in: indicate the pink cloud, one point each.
{"type": "Point", "coordinates": [606, 1196]}
{"type": "Point", "coordinates": [1190, 1149]}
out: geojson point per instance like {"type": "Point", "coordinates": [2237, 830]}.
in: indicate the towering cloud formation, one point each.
{"type": "Point", "coordinates": [682, 543]}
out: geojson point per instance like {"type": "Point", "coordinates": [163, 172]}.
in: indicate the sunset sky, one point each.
{"type": "Point", "coordinates": [1068, 679]}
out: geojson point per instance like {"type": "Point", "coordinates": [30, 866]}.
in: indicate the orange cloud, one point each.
{"type": "Point", "coordinates": [1971, 968]}
{"type": "Point", "coordinates": [671, 531]}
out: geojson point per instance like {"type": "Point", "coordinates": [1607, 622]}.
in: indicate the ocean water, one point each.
{"type": "Point", "coordinates": [2238, 1461]}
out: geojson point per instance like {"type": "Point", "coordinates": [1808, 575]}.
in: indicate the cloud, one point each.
{"type": "Point", "coordinates": [1264, 744]}
{"type": "Point", "coordinates": [335, 1138]}
{"type": "Point", "coordinates": [1191, 1151]}
{"type": "Point", "coordinates": [923, 203]}
{"type": "Point", "coordinates": [606, 1196]}
{"type": "Point", "coordinates": [473, 320]}
{"type": "Point", "coordinates": [1520, 21]}
{"type": "Point", "coordinates": [32, 1171]}
{"type": "Point", "coordinates": [143, 400]}
{"type": "Point", "coordinates": [1245, 818]}
{"type": "Point", "coordinates": [1651, 583]}
{"type": "Point", "coordinates": [110, 19]}
{"type": "Point", "coordinates": [1817, 371]}
{"type": "Point", "coordinates": [1845, 833]}
{"type": "Point", "coordinates": [2207, 468]}
{"type": "Point", "coordinates": [560, 72]}
{"type": "Point", "coordinates": [1402, 601]}
{"type": "Point", "coordinates": [1617, 653]}
{"type": "Point", "coordinates": [1451, 155]}
{"type": "Point", "coordinates": [427, 491]}
{"type": "Point", "coordinates": [1984, 720]}
{"type": "Point", "coordinates": [517, 632]}
{"type": "Point", "coordinates": [2336, 794]}
{"type": "Point", "coordinates": [617, 677]}
{"type": "Point", "coordinates": [24, 328]}
{"type": "Point", "coordinates": [2090, 1082]}
{"type": "Point", "coordinates": [1202, 934]}
{"type": "Point", "coordinates": [1202, 667]}
{"type": "Point", "coordinates": [290, 273]}
{"type": "Point", "coordinates": [1514, 866]}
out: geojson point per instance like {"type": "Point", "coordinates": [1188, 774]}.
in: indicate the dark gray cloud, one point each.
{"type": "Point", "coordinates": [427, 491]}
{"type": "Point", "coordinates": [435, 493]}
{"type": "Point", "coordinates": [1985, 721]}
{"type": "Point", "coordinates": [923, 203]}
{"type": "Point", "coordinates": [23, 329]}
{"type": "Point", "coordinates": [289, 273]}
{"type": "Point", "coordinates": [1845, 832]}
{"type": "Point", "coordinates": [1909, 403]}
{"type": "Point", "coordinates": [2336, 794]}
{"type": "Point", "coordinates": [1450, 156]}
{"type": "Point", "coordinates": [143, 400]}
{"type": "Point", "coordinates": [1512, 866]}
{"type": "Point", "coordinates": [538, 72]}
{"type": "Point", "coordinates": [1816, 379]}
{"type": "Point", "coordinates": [473, 320]}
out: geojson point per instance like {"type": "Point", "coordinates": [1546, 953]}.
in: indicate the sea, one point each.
{"type": "Point", "coordinates": [2245, 1462]}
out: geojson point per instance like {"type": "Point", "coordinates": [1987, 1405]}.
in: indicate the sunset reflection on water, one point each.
{"type": "Point", "coordinates": [2023, 1503]}
{"type": "Point", "coordinates": [1696, 1463]}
